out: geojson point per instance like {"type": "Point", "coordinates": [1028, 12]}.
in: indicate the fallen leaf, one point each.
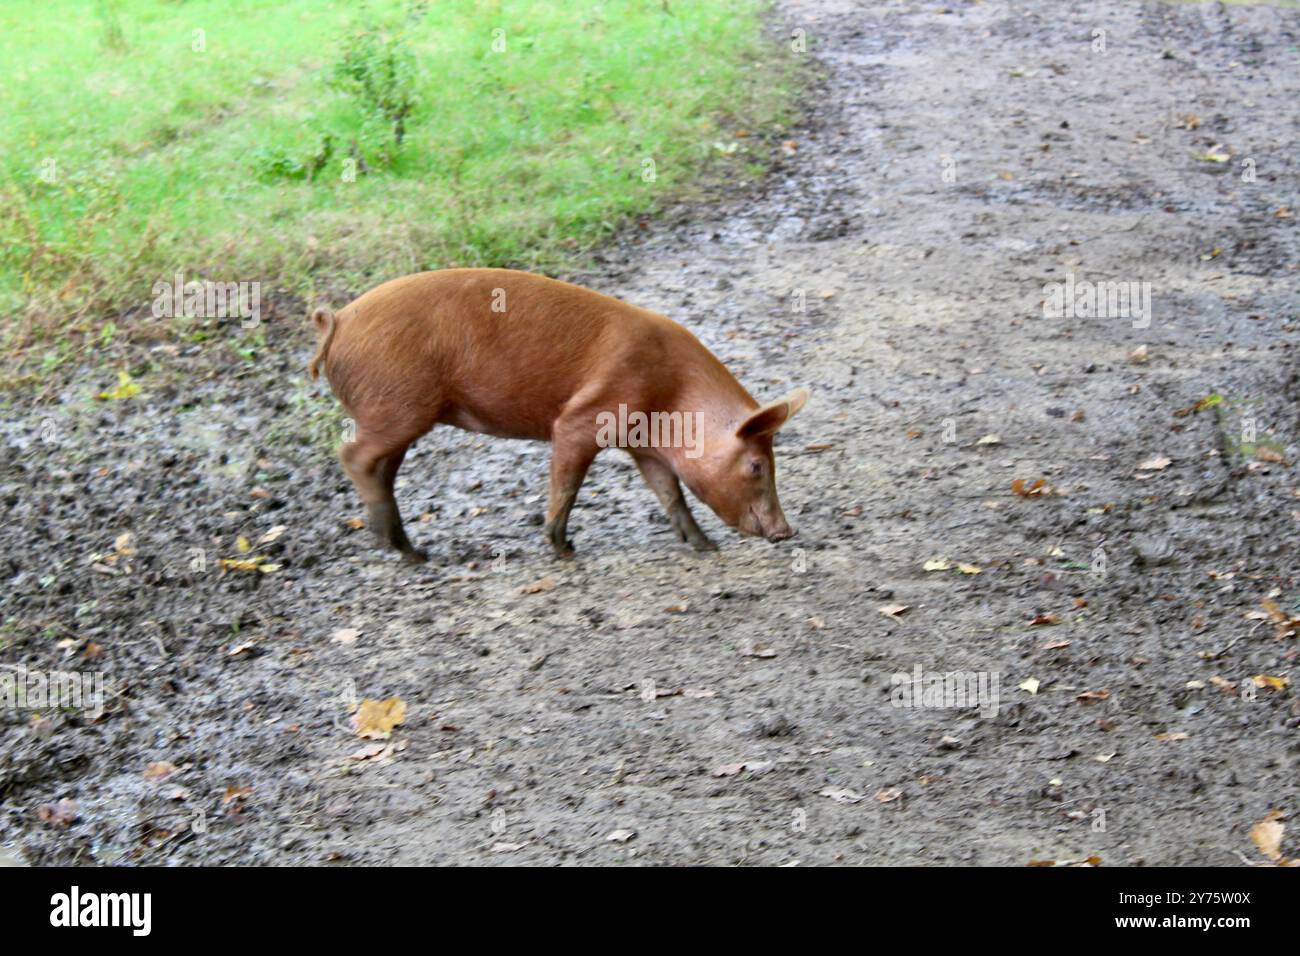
{"type": "Point", "coordinates": [160, 770]}
{"type": "Point", "coordinates": [731, 769]}
{"type": "Point", "coordinates": [970, 569]}
{"type": "Point", "coordinates": [1274, 683]}
{"type": "Point", "coordinates": [345, 635]}
{"type": "Point", "coordinates": [372, 752]}
{"type": "Point", "coordinates": [273, 534]}
{"type": "Point", "coordinates": [936, 564]}
{"type": "Point", "coordinates": [1159, 463]}
{"type": "Point", "coordinates": [989, 440]}
{"type": "Point", "coordinates": [545, 584]}
{"type": "Point", "coordinates": [888, 794]}
{"type": "Point", "coordinates": [236, 795]}
{"type": "Point", "coordinates": [1044, 619]}
{"type": "Point", "coordinates": [1038, 488]}
{"type": "Point", "coordinates": [1267, 835]}
{"type": "Point", "coordinates": [620, 836]}
{"type": "Point", "coordinates": [256, 563]}
{"type": "Point", "coordinates": [1172, 736]}
{"type": "Point", "coordinates": [1226, 686]}
{"type": "Point", "coordinates": [1030, 684]}
{"type": "Point", "coordinates": [375, 719]}
{"type": "Point", "coordinates": [1139, 356]}
{"type": "Point", "coordinates": [893, 610]}
{"type": "Point", "coordinates": [61, 814]}
{"type": "Point", "coordinates": [841, 795]}
{"type": "Point", "coordinates": [1089, 695]}
{"type": "Point", "coordinates": [126, 388]}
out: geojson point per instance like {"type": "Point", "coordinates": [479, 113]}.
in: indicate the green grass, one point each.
{"type": "Point", "coordinates": [126, 155]}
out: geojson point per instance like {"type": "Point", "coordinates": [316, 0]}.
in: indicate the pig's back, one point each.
{"type": "Point", "coordinates": [492, 350]}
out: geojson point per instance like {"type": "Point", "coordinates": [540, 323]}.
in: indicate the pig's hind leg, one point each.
{"type": "Point", "coordinates": [668, 490]}
{"type": "Point", "coordinates": [372, 465]}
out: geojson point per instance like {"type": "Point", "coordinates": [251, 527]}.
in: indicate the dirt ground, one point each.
{"type": "Point", "coordinates": [957, 158]}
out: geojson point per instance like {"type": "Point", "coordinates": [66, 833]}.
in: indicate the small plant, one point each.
{"type": "Point", "coordinates": [378, 69]}
{"type": "Point", "coordinates": [114, 38]}
{"type": "Point", "coordinates": [275, 162]}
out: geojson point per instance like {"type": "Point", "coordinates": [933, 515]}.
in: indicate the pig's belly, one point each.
{"type": "Point", "coordinates": [532, 424]}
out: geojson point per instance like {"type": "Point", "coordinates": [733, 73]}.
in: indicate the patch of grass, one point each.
{"type": "Point", "coordinates": [300, 140]}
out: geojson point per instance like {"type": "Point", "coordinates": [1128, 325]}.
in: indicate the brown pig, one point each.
{"type": "Point", "coordinates": [518, 355]}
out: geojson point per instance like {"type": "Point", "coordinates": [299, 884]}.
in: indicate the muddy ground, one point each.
{"type": "Point", "coordinates": [957, 158]}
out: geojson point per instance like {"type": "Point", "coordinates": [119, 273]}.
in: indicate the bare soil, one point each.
{"type": "Point", "coordinates": [957, 158]}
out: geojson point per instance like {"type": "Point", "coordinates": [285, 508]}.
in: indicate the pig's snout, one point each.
{"type": "Point", "coordinates": [781, 532]}
{"type": "Point", "coordinates": [773, 528]}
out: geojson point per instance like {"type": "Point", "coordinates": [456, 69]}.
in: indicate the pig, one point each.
{"type": "Point", "coordinates": [518, 355]}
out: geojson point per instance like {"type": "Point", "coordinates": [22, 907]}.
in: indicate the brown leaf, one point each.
{"type": "Point", "coordinates": [537, 587]}
{"type": "Point", "coordinates": [160, 770]}
{"type": "Point", "coordinates": [1039, 487]}
{"type": "Point", "coordinates": [1267, 835]}
{"type": "Point", "coordinates": [236, 795]}
{"type": "Point", "coordinates": [61, 814]}
{"type": "Point", "coordinates": [893, 610]}
{"type": "Point", "coordinates": [1043, 619]}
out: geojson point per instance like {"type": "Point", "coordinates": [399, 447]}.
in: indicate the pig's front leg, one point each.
{"type": "Point", "coordinates": [668, 490]}
{"type": "Point", "coordinates": [571, 458]}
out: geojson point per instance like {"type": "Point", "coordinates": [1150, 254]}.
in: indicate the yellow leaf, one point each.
{"type": "Point", "coordinates": [1276, 683]}
{"type": "Point", "coordinates": [937, 564]}
{"type": "Point", "coordinates": [375, 719]}
{"type": "Point", "coordinates": [243, 545]}
{"type": "Point", "coordinates": [969, 569]}
{"type": "Point", "coordinates": [239, 564]}
{"type": "Point", "coordinates": [126, 387]}
{"type": "Point", "coordinates": [1030, 684]}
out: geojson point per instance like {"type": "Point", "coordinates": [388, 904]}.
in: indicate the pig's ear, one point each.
{"type": "Point", "coordinates": [771, 417]}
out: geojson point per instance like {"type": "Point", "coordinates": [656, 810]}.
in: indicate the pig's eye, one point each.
{"type": "Point", "coordinates": [755, 468]}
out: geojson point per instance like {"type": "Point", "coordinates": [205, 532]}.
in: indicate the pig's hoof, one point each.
{"type": "Point", "coordinates": [415, 557]}
{"type": "Point", "coordinates": [703, 544]}
{"type": "Point", "coordinates": [563, 549]}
